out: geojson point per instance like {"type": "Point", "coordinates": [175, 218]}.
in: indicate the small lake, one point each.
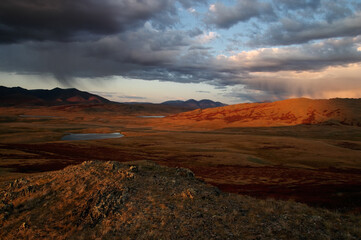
{"type": "Point", "coordinates": [151, 116]}
{"type": "Point", "coordinates": [37, 116]}
{"type": "Point", "coordinates": [90, 136]}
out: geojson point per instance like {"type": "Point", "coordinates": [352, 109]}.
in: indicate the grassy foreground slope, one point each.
{"type": "Point", "coordinates": [141, 200]}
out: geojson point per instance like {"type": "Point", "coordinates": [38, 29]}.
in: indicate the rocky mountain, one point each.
{"type": "Point", "coordinates": [142, 200]}
{"type": "Point", "coordinates": [281, 113]}
{"type": "Point", "coordinates": [57, 96]}
{"type": "Point", "coordinates": [194, 104]}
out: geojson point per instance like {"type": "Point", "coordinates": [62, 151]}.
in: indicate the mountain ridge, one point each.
{"type": "Point", "coordinates": [56, 96]}
{"type": "Point", "coordinates": [194, 104]}
{"type": "Point", "coordinates": [18, 96]}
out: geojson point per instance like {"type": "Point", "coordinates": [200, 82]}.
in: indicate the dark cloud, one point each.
{"type": "Point", "coordinates": [146, 53]}
{"type": "Point", "coordinates": [195, 32]}
{"type": "Point", "coordinates": [290, 31]}
{"type": "Point", "coordinates": [132, 97]}
{"type": "Point", "coordinates": [197, 48]}
{"type": "Point", "coordinates": [141, 40]}
{"type": "Point", "coordinates": [170, 55]}
{"type": "Point", "coordinates": [68, 20]}
{"type": "Point", "coordinates": [223, 16]}
{"type": "Point", "coordinates": [190, 3]}
{"type": "Point", "coordinates": [297, 4]}
{"type": "Point", "coordinates": [336, 10]}
{"type": "Point", "coordinates": [304, 21]}
{"type": "Point", "coordinates": [116, 96]}
{"type": "Point", "coordinates": [203, 91]}
{"type": "Point", "coordinates": [308, 57]}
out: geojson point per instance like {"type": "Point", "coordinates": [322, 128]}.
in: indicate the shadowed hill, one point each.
{"type": "Point", "coordinates": [75, 101]}
{"type": "Point", "coordinates": [57, 96]}
{"type": "Point", "coordinates": [110, 200]}
{"type": "Point", "coordinates": [282, 113]}
{"type": "Point", "coordinates": [120, 109]}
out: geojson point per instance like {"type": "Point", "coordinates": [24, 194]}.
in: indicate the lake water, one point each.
{"type": "Point", "coordinates": [90, 136]}
{"type": "Point", "coordinates": [37, 116]}
{"type": "Point", "coordinates": [151, 116]}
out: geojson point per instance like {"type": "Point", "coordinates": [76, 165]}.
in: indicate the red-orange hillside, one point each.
{"type": "Point", "coordinates": [281, 113]}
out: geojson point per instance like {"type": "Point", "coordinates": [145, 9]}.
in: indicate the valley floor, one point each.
{"type": "Point", "coordinates": [318, 165]}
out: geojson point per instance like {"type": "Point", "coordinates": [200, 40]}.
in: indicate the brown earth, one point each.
{"type": "Point", "coordinates": [141, 200]}
{"type": "Point", "coordinates": [282, 113]}
{"type": "Point", "coordinates": [316, 164]}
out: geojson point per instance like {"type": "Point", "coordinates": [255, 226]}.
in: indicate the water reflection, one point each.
{"type": "Point", "coordinates": [37, 116]}
{"type": "Point", "coordinates": [90, 136]}
{"type": "Point", "coordinates": [151, 116]}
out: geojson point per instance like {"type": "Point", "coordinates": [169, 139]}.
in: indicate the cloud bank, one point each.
{"type": "Point", "coordinates": [223, 16]}
{"type": "Point", "coordinates": [300, 48]}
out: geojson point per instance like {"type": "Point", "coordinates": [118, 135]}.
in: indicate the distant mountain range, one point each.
{"type": "Point", "coordinates": [194, 104]}
{"type": "Point", "coordinates": [57, 96]}
{"type": "Point", "coordinates": [17, 96]}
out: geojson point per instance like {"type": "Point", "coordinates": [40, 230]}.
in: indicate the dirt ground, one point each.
{"type": "Point", "coordinates": [315, 164]}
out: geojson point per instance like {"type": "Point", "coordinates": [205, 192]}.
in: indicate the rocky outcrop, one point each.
{"type": "Point", "coordinates": [142, 200]}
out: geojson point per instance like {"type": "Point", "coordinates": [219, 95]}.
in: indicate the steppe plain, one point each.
{"type": "Point", "coordinates": [317, 164]}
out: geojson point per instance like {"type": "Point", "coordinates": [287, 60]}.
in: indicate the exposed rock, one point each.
{"type": "Point", "coordinates": [141, 200]}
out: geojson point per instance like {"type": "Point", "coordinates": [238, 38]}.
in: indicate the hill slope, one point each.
{"type": "Point", "coordinates": [194, 104]}
{"type": "Point", "coordinates": [281, 113]}
{"type": "Point", "coordinates": [56, 96]}
{"type": "Point", "coordinates": [75, 101]}
{"type": "Point", "coordinates": [109, 200]}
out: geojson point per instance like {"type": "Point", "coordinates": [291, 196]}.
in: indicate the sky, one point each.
{"type": "Point", "coordinates": [231, 51]}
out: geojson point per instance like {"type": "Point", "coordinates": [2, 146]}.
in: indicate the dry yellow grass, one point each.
{"type": "Point", "coordinates": [141, 200]}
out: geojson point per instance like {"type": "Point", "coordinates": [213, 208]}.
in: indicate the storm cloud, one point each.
{"type": "Point", "coordinates": [143, 54]}
{"type": "Point", "coordinates": [308, 57]}
{"type": "Point", "coordinates": [146, 39]}
{"type": "Point", "coordinates": [297, 4]}
{"type": "Point", "coordinates": [304, 21]}
{"type": "Point", "coordinates": [223, 16]}
{"type": "Point", "coordinates": [290, 31]}
{"type": "Point", "coordinates": [69, 20]}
